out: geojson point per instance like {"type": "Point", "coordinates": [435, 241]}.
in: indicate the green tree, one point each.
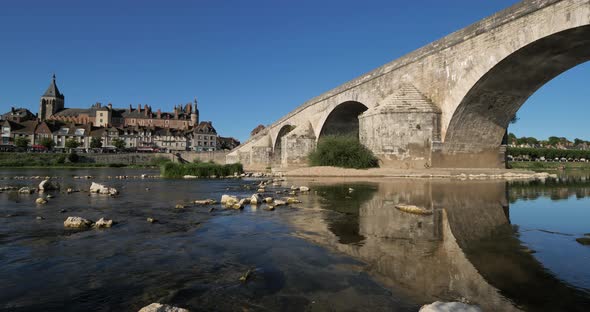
{"type": "Point", "coordinates": [553, 140]}
{"type": "Point", "coordinates": [95, 143]}
{"type": "Point", "coordinates": [119, 144]}
{"type": "Point", "coordinates": [71, 144]}
{"type": "Point", "coordinates": [21, 142]}
{"type": "Point", "coordinates": [47, 143]}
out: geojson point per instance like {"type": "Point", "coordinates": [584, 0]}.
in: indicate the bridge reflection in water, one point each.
{"type": "Point", "coordinates": [466, 248]}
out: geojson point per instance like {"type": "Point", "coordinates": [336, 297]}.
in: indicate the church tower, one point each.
{"type": "Point", "coordinates": [195, 114]}
{"type": "Point", "coordinates": [51, 101]}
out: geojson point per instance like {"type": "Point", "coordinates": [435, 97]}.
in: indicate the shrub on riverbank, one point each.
{"type": "Point", "coordinates": [342, 151]}
{"type": "Point", "coordinates": [200, 169]}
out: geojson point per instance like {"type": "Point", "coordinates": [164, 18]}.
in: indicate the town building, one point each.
{"type": "Point", "coordinates": [139, 129]}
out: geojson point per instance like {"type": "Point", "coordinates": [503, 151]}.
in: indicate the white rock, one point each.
{"type": "Point", "coordinates": [256, 199]}
{"type": "Point", "coordinates": [279, 202]}
{"type": "Point", "coordinates": [439, 306]}
{"type": "Point", "coordinates": [77, 222]}
{"type": "Point", "coordinates": [41, 201]}
{"type": "Point", "coordinates": [304, 189]}
{"type": "Point", "coordinates": [228, 200]}
{"type": "Point", "coordinates": [158, 307]}
{"type": "Point", "coordinates": [101, 189]}
{"type": "Point", "coordinates": [268, 200]}
{"type": "Point", "coordinates": [47, 185]}
{"type": "Point", "coordinates": [103, 223]}
{"type": "Point", "coordinates": [188, 176]}
{"type": "Point", "coordinates": [26, 190]}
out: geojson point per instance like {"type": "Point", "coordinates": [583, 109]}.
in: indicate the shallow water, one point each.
{"type": "Point", "coordinates": [504, 247]}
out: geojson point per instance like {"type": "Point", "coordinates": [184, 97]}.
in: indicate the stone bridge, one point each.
{"type": "Point", "coordinates": [447, 104]}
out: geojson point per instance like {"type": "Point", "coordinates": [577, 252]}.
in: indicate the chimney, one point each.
{"type": "Point", "coordinates": [98, 105]}
{"type": "Point", "coordinates": [159, 113]}
{"type": "Point", "coordinates": [130, 108]}
{"type": "Point", "coordinates": [110, 106]}
{"type": "Point", "coordinates": [139, 108]}
{"type": "Point", "coordinates": [175, 112]}
{"type": "Point", "coordinates": [145, 109]}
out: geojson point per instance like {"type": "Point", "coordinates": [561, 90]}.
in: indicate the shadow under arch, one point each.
{"type": "Point", "coordinates": [343, 120]}
{"type": "Point", "coordinates": [479, 122]}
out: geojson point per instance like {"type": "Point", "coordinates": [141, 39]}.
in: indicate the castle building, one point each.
{"type": "Point", "coordinates": [52, 108]}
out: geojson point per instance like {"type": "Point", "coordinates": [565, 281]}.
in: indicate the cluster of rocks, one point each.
{"type": "Point", "coordinates": [81, 223]}
{"type": "Point", "coordinates": [230, 201]}
{"type": "Point", "coordinates": [584, 240]}
{"type": "Point", "coordinates": [28, 178]}
{"type": "Point", "coordinates": [510, 176]}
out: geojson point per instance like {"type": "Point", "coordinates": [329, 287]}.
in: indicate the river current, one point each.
{"type": "Point", "coordinates": [345, 247]}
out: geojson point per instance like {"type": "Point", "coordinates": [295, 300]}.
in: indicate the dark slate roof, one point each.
{"type": "Point", "coordinates": [52, 90]}
{"type": "Point", "coordinates": [205, 127]}
{"type": "Point", "coordinates": [73, 112]}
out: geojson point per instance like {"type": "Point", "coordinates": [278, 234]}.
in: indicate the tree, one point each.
{"type": "Point", "coordinates": [95, 143]}
{"type": "Point", "coordinates": [21, 142]}
{"type": "Point", "coordinates": [47, 143]}
{"type": "Point", "coordinates": [119, 144]}
{"type": "Point", "coordinates": [71, 144]}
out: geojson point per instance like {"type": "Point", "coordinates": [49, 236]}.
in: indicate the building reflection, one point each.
{"type": "Point", "coordinates": [466, 248]}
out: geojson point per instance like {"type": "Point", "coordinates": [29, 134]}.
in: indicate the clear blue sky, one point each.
{"type": "Point", "coordinates": [248, 62]}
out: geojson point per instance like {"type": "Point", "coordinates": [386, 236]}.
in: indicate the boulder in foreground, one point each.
{"type": "Point", "coordinates": [158, 307]}
{"type": "Point", "coordinates": [440, 306]}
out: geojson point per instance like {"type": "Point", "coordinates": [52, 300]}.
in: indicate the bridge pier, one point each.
{"type": "Point", "coordinates": [401, 128]}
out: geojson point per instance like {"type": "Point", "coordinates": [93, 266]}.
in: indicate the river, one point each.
{"type": "Point", "coordinates": [503, 246]}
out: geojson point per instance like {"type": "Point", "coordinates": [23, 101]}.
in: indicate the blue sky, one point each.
{"type": "Point", "coordinates": [248, 62]}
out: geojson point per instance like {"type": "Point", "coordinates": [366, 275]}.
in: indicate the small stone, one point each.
{"type": "Point", "coordinates": [151, 220]}
{"type": "Point", "coordinates": [279, 202]}
{"type": "Point", "coordinates": [179, 206]}
{"type": "Point", "coordinates": [102, 189]}
{"type": "Point", "coordinates": [228, 200]}
{"type": "Point", "coordinates": [244, 278]}
{"type": "Point", "coordinates": [270, 208]}
{"type": "Point", "coordinates": [41, 201]}
{"type": "Point", "coordinates": [103, 223]}
{"type": "Point", "coordinates": [413, 209]}
{"type": "Point", "coordinates": [63, 211]}
{"type": "Point", "coordinates": [212, 209]}
{"type": "Point", "coordinates": [294, 188]}
{"type": "Point", "coordinates": [40, 218]}
{"type": "Point", "coordinates": [50, 196]}
{"type": "Point", "coordinates": [261, 190]}
{"type": "Point", "coordinates": [292, 200]}
{"type": "Point", "coordinates": [350, 190]}
{"type": "Point", "coordinates": [69, 191]}
{"type": "Point", "coordinates": [237, 206]}
{"type": "Point", "coordinates": [188, 176]}
{"type": "Point", "coordinates": [304, 189]}
{"type": "Point", "coordinates": [205, 202]}
{"type": "Point", "coordinates": [256, 199]}
{"type": "Point", "coordinates": [268, 200]}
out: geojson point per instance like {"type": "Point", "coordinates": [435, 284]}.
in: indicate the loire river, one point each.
{"type": "Point", "coordinates": [505, 247]}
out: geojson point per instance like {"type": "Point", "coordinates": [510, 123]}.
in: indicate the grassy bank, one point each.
{"type": "Point", "coordinates": [59, 160]}
{"type": "Point", "coordinates": [199, 169]}
{"type": "Point", "coordinates": [538, 165]}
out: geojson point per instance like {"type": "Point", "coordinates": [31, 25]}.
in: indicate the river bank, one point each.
{"type": "Point", "coordinates": [442, 173]}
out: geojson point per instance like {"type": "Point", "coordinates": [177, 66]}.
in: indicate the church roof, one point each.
{"type": "Point", "coordinates": [52, 90]}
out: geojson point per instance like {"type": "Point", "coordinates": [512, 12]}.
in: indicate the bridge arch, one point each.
{"type": "Point", "coordinates": [278, 140]}
{"type": "Point", "coordinates": [479, 122]}
{"type": "Point", "coordinates": [342, 120]}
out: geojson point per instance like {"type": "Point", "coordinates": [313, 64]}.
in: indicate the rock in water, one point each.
{"type": "Point", "coordinates": [77, 223]}
{"type": "Point", "coordinates": [204, 202]}
{"type": "Point", "coordinates": [151, 220]}
{"type": "Point", "coordinates": [26, 190]}
{"type": "Point", "coordinates": [583, 240]}
{"type": "Point", "coordinates": [228, 200]}
{"type": "Point", "coordinates": [188, 176]}
{"type": "Point", "coordinates": [413, 209]}
{"type": "Point", "coordinates": [41, 201]}
{"type": "Point", "coordinates": [103, 223]}
{"type": "Point", "coordinates": [256, 199]}
{"type": "Point", "coordinates": [48, 185]}
{"type": "Point", "coordinates": [304, 189]}
{"type": "Point", "coordinates": [101, 189]}
{"type": "Point", "coordinates": [158, 307]}
{"type": "Point", "coordinates": [439, 306]}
